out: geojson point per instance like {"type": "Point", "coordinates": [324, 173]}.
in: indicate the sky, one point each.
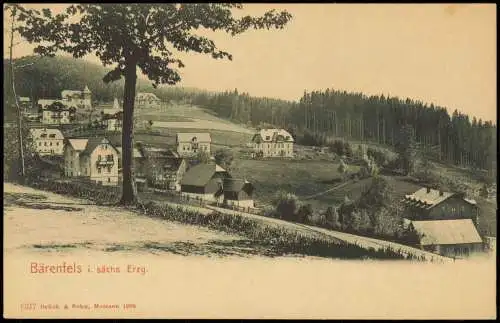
{"type": "Point", "coordinates": [441, 54]}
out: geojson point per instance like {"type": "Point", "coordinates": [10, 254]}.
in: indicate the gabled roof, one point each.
{"type": "Point", "coordinates": [441, 232]}
{"type": "Point", "coordinates": [200, 174]}
{"type": "Point", "coordinates": [172, 164]}
{"type": "Point", "coordinates": [235, 185]}
{"type": "Point", "coordinates": [191, 136]}
{"type": "Point", "coordinates": [37, 133]}
{"type": "Point", "coordinates": [92, 143]}
{"type": "Point", "coordinates": [427, 198]}
{"type": "Point", "coordinates": [273, 135]}
{"type": "Point", "coordinates": [78, 144]}
{"type": "Point", "coordinates": [146, 96]}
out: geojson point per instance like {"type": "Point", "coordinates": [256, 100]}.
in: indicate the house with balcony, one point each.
{"type": "Point", "coordinates": [272, 143]}
{"type": "Point", "coordinates": [93, 159]}
{"type": "Point", "coordinates": [190, 144]}
{"type": "Point", "coordinates": [48, 142]}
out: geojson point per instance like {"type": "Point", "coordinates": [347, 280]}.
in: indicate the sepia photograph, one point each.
{"type": "Point", "coordinates": [249, 161]}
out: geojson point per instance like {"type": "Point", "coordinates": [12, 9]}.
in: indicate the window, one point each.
{"type": "Point", "coordinates": [109, 169]}
{"type": "Point", "coordinates": [109, 179]}
{"type": "Point", "coordinates": [98, 170]}
{"type": "Point", "coordinates": [51, 143]}
{"type": "Point", "coordinates": [39, 144]}
{"type": "Point", "coordinates": [45, 143]}
{"type": "Point", "coordinates": [99, 158]}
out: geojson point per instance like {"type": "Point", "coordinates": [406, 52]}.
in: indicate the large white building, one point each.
{"type": "Point", "coordinates": [190, 144]}
{"type": "Point", "coordinates": [48, 141]}
{"type": "Point", "coordinates": [93, 159]}
{"type": "Point", "coordinates": [78, 98]}
{"type": "Point", "coordinates": [272, 143]}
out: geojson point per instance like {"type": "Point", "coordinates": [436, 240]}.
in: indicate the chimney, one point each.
{"type": "Point", "coordinates": [428, 190]}
{"type": "Point", "coordinates": [441, 193]}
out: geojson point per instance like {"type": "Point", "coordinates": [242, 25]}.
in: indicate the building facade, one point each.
{"type": "Point", "coordinates": [190, 144]}
{"type": "Point", "coordinates": [79, 99]}
{"type": "Point", "coordinates": [93, 159]}
{"type": "Point", "coordinates": [48, 142]}
{"type": "Point", "coordinates": [57, 113]}
{"type": "Point", "coordinates": [272, 143]}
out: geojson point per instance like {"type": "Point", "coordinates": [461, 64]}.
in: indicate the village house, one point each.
{"type": "Point", "coordinates": [190, 144]}
{"type": "Point", "coordinates": [167, 173]}
{"type": "Point", "coordinates": [147, 100]}
{"type": "Point", "coordinates": [204, 182]}
{"type": "Point", "coordinates": [78, 99]}
{"type": "Point", "coordinates": [93, 159]}
{"type": "Point", "coordinates": [431, 204]}
{"type": "Point", "coordinates": [112, 119]}
{"type": "Point", "coordinates": [58, 113]}
{"type": "Point", "coordinates": [450, 238]}
{"type": "Point", "coordinates": [272, 143]}
{"type": "Point", "coordinates": [238, 192]}
{"type": "Point", "coordinates": [48, 142]}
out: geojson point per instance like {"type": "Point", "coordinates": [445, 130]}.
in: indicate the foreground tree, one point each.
{"type": "Point", "coordinates": [140, 36]}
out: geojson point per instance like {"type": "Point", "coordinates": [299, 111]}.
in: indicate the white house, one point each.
{"type": "Point", "coordinates": [272, 143]}
{"type": "Point", "coordinates": [189, 144]}
{"type": "Point", "coordinates": [146, 100]}
{"type": "Point", "coordinates": [93, 159]}
{"type": "Point", "coordinates": [57, 113]}
{"type": "Point", "coordinates": [79, 99]}
{"type": "Point", "coordinates": [48, 141]}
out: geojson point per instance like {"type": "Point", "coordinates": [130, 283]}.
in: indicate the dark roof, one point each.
{"type": "Point", "coordinates": [172, 164]}
{"type": "Point", "coordinates": [93, 142]}
{"type": "Point", "coordinates": [235, 185]}
{"type": "Point", "coordinates": [199, 175]}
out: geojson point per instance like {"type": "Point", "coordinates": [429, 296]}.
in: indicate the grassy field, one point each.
{"type": "Point", "coordinates": [304, 178]}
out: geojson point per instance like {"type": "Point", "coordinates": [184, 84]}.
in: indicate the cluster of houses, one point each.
{"type": "Point", "coordinates": [62, 110]}
{"type": "Point", "coordinates": [445, 222]}
{"type": "Point", "coordinates": [98, 160]}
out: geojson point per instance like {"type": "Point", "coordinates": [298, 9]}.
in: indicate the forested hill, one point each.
{"type": "Point", "coordinates": [455, 138]}
{"type": "Point", "coordinates": [318, 115]}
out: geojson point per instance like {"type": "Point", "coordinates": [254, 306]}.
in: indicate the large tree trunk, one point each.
{"type": "Point", "coordinates": [129, 190]}
{"type": "Point", "coordinates": [18, 108]}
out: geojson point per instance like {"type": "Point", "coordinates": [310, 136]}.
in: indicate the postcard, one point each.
{"type": "Point", "coordinates": [250, 161]}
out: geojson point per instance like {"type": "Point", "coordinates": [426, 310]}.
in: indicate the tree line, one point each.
{"type": "Point", "coordinates": [320, 117]}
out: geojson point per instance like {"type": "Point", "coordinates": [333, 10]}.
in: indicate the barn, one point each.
{"type": "Point", "coordinates": [238, 192]}
{"type": "Point", "coordinates": [204, 182]}
{"type": "Point", "coordinates": [451, 238]}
